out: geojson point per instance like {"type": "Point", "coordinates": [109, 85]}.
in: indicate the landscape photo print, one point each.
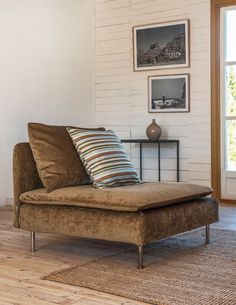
{"type": "Point", "coordinates": [168, 93]}
{"type": "Point", "coordinates": [163, 45]}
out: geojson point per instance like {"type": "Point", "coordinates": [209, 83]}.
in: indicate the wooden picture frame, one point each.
{"type": "Point", "coordinates": [169, 93]}
{"type": "Point", "coordinates": [161, 45]}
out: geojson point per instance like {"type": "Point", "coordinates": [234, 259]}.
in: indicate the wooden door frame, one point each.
{"type": "Point", "coordinates": [216, 5]}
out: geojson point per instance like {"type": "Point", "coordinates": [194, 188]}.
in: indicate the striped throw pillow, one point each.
{"type": "Point", "coordinates": [104, 157]}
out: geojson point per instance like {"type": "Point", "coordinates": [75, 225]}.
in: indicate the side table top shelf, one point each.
{"type": "Point", "coordinates": [149, 141]}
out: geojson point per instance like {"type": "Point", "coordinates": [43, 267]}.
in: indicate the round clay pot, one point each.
{"type": "Point", "coordinates": [153, 131]}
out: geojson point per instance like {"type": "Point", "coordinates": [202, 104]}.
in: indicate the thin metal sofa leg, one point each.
{"type": "Point", "coordinates": [32, 239]}
{"type": "Point", "coordinates": [140, 257]}
{"type": "Point", "coordinates": [208, 234]}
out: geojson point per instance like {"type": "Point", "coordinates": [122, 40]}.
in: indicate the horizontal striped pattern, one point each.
{"type": "Point", "coordinates": [104, 158]}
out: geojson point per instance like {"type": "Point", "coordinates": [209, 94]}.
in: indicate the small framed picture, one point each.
{"type": "Point", "coordinates": [161, 45]}
{"type": "Point", "coordinates": [169, 93]}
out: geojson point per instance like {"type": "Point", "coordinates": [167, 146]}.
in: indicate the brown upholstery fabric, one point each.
{"type": "Point", "coordinates": [137, 228]}
{"type": "Point", "coordinates": [82, 222]}
{"type": "Point", "coordinates": [25, 174]}
{"type": "Point", "coordinates": [136, 214]}
{"type": "Point", "coordinates": [57, 160]}
{"type": "Point", "coordinates": [178, 218]}
{"type": "Point", "coordinates": [126, 198]}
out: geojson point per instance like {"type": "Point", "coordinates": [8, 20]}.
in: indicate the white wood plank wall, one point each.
{"type": "Point", "coordinates": [121, 94]}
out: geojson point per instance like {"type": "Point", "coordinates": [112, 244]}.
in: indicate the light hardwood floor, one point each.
{"type": "Point", "coordinates": [21, 271]}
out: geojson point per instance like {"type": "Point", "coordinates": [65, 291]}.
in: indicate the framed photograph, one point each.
{"type": "Point", "coordinates": [169, 93]}
{"type": "Point", "coordinates": [161, 46]}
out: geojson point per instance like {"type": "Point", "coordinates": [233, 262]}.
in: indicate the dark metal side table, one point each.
{"type": "Point", "coordinates": [141, 142]}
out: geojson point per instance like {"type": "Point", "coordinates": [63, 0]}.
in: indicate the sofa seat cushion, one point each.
{"type": "Point", "coordinates": [130, 198]}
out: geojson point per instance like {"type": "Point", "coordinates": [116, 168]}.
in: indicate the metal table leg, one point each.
{"type": "Point", "coordinates": [141, 160]}
{"type": "Point", "coordinates": [177, 160]}
{"type": "Point", "coordinates": [159, 161]}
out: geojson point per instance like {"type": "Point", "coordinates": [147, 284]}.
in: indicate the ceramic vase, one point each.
{"type": "Point", "coordinates": [153, 131]}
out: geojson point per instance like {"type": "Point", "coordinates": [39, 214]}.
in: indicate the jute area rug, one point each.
{"type": "Point", "coordinates": [178, 271]}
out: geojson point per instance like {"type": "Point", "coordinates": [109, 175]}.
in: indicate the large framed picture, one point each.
{"type": "Point", "coordinates": [169, 93]}
{"type": "Point", "coordinates": [161, 45]}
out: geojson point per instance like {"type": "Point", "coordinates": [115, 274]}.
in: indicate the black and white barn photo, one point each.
{"type": "Point", "coordinates": [169, 93]}
{"type": "Point", "coordinates": [164, 45]}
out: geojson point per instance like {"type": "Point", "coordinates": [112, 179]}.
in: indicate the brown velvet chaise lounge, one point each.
{"type": "Point", "coordinates": [137, 214]}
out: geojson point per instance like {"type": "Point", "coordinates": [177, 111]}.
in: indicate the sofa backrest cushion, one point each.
{"type": "Point", "coordinates": [57, 161]}
{"type": "Point", "coordinates": [104, 158]}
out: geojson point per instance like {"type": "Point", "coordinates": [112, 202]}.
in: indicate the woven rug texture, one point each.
{"type": "Point", "coordinates": [181, 270]}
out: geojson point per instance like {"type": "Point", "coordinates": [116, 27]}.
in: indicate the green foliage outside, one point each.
{"type": "Point", "coordinates": [231, 124]}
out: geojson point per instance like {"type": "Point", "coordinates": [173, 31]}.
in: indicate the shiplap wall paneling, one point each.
{"type": "Point", "coordinates": [121, 94]}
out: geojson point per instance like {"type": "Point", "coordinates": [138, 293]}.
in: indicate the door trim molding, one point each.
{"type": "Point", "coordinates": [216, 5]}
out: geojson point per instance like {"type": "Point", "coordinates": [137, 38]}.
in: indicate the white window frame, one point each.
{"type": "Point", "coordinates": [225, 172]}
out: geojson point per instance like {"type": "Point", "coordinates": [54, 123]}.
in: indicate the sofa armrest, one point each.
{"type": "Point", "coordinates": [25, 175]}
